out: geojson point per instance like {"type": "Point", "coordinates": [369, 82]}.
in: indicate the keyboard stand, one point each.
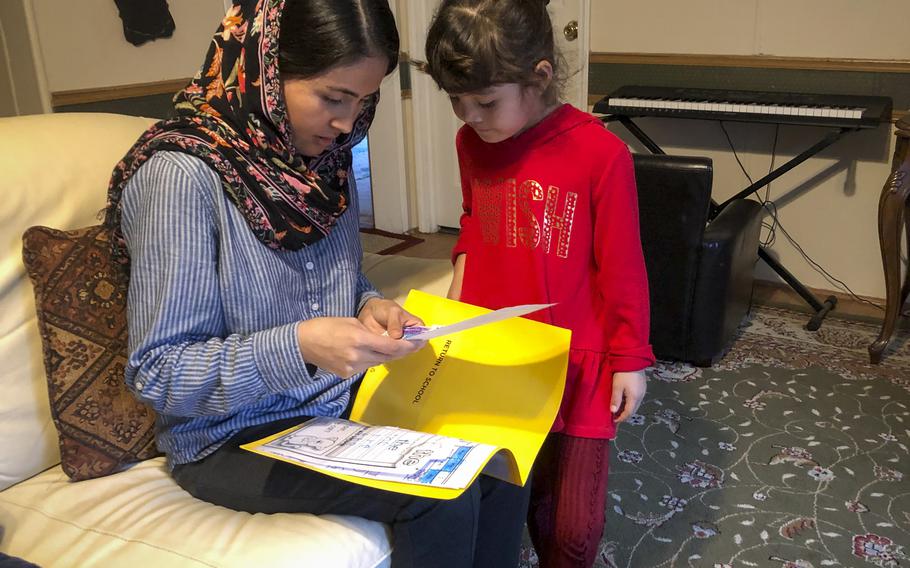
{"type": "Point", "coordinates": [821, 308]}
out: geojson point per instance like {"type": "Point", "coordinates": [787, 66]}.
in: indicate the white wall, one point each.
{"type": "Point", "coordinates": [875, 29]}
{"type": "Point", "coordinates": [25, 91]}
{"type": "Point", "coordinates": [871, 29]}
{"type": "Point", "coordinates": [83, 46]}
{"type": "Point", "coordinates": [836, 221]}
{"type": "Point", "coordinates": [7, 97]}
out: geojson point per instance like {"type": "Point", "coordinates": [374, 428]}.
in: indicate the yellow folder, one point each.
{"type": "Point", "coordinates": [499, 384]}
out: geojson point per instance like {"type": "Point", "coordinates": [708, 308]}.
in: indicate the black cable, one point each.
{"type": "Point", "coordinates": [824, 272]}
{"type": "Point", "coordinates": [771, 208]}
{"type": "Point", "coordinates": [735, 155]}
{"type": "Point", "coordinates": [765, 201]}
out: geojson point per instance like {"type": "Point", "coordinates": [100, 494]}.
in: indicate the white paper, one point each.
{"type": "Point", "coordinates": [382, 452]}
{"type": "Point", "coordinates": [494, 316]}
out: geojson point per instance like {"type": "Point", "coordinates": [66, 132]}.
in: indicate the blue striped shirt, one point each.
{"type": "Point", "coordinates": [213, 312]}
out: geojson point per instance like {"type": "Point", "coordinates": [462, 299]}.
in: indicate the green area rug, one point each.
{"type": "Point", "coordinates": [791, 452]}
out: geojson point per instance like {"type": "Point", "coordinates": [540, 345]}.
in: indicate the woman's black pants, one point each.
{"type": "Point", "coordinates": [482, 528]}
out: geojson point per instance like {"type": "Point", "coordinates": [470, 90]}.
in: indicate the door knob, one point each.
{"type": "Point", "coordinates": [571, 30]}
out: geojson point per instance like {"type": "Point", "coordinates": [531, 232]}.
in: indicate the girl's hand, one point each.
{"type": "Point", "coordinates": [457, 277]}
{"type": "Point", "coordinates": [386, 317]}
{"type": "Point", "coordinates": [346, 347]}
{"type": "Point", "coordinates": [628, 391]}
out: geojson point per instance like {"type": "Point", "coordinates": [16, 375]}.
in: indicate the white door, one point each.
{"type": "Point", "coordinates": [435, 165]}
{"type": "Point", "coordinates": [387, 173]}
{"type": "Point", "coordinates": [573, 37]}
{"type": "Point", "coordinates": [435, 125]}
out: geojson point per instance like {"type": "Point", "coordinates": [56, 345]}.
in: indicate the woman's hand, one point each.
{"type": "Point", "coordinates": [628, 391]}
{"type": "Point", "coordinates": [346, 347]}
{"type": "Point", "coordinates": [386, 317]}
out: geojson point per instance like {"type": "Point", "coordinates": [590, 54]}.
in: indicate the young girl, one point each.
{"type": "Point", "coordinates": [247, 308]}
{"type": "Point", "coordinates": [550, 215]}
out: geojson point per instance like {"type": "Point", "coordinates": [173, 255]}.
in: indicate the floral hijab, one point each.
{"type": "Point", "coordinates": [233, 116]}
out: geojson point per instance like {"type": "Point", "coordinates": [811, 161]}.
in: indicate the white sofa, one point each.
{"type": "Point", "coordinates": [54, 172]}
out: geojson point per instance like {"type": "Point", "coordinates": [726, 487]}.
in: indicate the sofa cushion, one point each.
{"type": "Point", "coordinates": [395, 276]}
{"type": "Point", "coordinates": [56, 169]}
{"type": "Point", "coordinates": [141, 517]}
{"type": "Point", "coordinates": [80, 297]}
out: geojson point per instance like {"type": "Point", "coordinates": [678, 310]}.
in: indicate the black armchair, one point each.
{"type": "Point", "coordinates": [699, 268]}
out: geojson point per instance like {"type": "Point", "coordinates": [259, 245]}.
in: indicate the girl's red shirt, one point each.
{"type": "Point", "coordinates": [551, 215]}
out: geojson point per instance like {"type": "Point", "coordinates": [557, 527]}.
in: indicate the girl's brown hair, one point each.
{"type": "Point", "coordinates": [474, 44]}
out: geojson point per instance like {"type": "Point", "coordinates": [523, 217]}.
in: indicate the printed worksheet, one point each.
{"type": "Point", "coordinates": [381, 452]}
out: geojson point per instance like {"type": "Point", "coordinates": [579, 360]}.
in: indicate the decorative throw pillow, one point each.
{"type": "Point", "coordinates": [80, 297]}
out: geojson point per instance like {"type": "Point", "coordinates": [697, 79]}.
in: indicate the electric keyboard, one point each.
{"type": "Point", "coordinates": [840, 111]}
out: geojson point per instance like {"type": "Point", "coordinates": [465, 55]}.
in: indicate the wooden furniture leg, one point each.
{"type": "Point", "coordinates": [893, 225]}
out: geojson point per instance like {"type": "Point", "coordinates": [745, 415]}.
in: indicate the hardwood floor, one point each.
{"type": "Point", "coordinates": [434, 245]}
{"type": "Point", "coordinates": [779, 295]}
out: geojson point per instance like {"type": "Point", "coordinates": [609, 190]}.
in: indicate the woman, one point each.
{"type": "Point", "coordinates": [248, 312]}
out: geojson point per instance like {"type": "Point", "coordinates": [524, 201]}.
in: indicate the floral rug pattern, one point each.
{"type": "Point", "coordinates": [793, 451]}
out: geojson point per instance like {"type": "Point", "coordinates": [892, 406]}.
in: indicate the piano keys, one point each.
{"type": "Point", "coordinates": [841, 111]}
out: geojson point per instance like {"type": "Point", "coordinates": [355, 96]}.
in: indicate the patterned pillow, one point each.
{"type": "Point", "coordinates": [80, 296]}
